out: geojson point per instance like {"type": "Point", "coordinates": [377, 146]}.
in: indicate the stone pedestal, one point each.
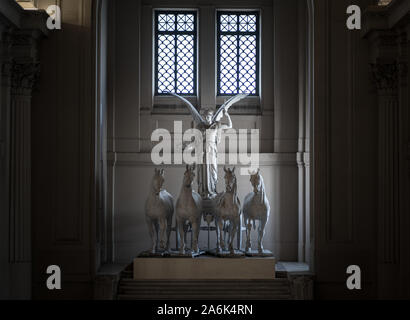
{"type": "Point", "coordinates": [226, 253]}
{"type": "Point", "coordinates": [204, 268]}
{"type": "Point", "coordinates": [256, 253]}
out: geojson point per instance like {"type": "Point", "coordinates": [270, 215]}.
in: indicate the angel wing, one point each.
{"type": "Point", "coordinates": [195, 114]}
{"type": "Point", "coordinates": [217, 116]}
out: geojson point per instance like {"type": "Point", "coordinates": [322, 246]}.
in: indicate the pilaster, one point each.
{"type": "Point", "coordinates": [20, 32]}
{"type": "Point", "coordinates": [389, 68]}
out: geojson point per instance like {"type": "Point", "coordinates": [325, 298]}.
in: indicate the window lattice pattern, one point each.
{"type": "Point", "coordinates": [175, 52]}
{"type": "Point", "coordinates": [238, 48]}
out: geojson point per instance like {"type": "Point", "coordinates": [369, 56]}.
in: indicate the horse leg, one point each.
{"type": "Point", "coordinates": [248, 234]}
{"type": "Point", "coordinates": [162, 230]}
{"type": "Point", "coordinates": [181, 232]}
{"type": "Point", "coordinates": [224, 230]}
{"type": "Point", "coordinates": [169, 227]}
{"type": "Point", "coordinates": [221, 232]}
{"type": "Point", "coordinates": [218, 243]}
{"type": "Point", "coordinates": [239, 233]}
{"type": "Point", "coordinates": [261, 234]}
{"type": "Point", "coordinates": [156, 225]}
{"type": "Point", "coordinates": [195, 234]}
{"type": "Point", "coordinates": [150, 224]}
{"type": "Point", "coordinates": [234, 227]}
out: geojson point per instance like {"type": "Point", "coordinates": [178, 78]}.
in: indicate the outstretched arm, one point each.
{"type": "Point", "coordinates": [228, 124]}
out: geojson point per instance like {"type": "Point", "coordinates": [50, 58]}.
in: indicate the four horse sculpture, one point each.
{"type": "Point", "coordinates": [188, 209]}
{"type": "Point", "coordinates": [228, 210]}
{"type": "Point", "coordinates": [256, 207]}
{"type": "Point", "coordinates": [159, 209]}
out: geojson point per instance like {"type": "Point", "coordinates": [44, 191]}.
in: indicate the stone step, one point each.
{"type": "Point", "coordinates": [237, 297]}
{"type": "Point", "coordinates": [201, 289]}
{"type": "Point", "coordinates": [210, 294]}
{"type": "Point", "coordinates": [275, 289]}
{"type": "Point", "coordinates": [208, 282]}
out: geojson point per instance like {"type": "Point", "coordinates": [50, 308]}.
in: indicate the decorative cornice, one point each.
{"type": "Point", "coordinates": [376, 18]}
{"type": "Point", "coordinates": [144, 159]}
{"type": "Point", "coordinates": [14, 16]}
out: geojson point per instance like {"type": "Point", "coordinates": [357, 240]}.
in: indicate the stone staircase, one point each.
{"type": "Point", "coordinates": [129, 289]}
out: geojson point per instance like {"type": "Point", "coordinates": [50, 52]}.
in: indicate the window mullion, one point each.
{"type": "Point", "coordinates": [237, 54]}
{"type": "Point", "coordinates": [207, 58]}
{"type": "Point", "coordinates": [176, 56]}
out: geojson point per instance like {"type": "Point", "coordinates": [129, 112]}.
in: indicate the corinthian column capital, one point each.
{"type": "Point", "coordinates": [23, 77]}
{"type": "Point", "coordinates": [385, 76]}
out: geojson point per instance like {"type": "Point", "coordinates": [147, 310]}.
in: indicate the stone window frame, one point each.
{"type": "Point", "coordinates": [207, 60]}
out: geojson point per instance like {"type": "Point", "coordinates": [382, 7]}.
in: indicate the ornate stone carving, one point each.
{"type": "Point", "coordinates": [385, 76]}
{"type": "Point", "coordinates": [22, 39]}
{"type": "Point", "coordinates": [24, 76]}
{"type": "Point", "coordinates": [6, 71]}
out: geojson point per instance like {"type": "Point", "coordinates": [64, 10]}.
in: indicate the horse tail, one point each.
{"type": "Point", "coordinates": [254, 224]}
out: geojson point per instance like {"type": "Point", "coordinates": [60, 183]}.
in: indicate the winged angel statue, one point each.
{"type": "Point", "coordinates": [210, 124]}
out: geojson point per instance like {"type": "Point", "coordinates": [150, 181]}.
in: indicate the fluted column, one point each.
{"type": "Point", "coordinates": [404, 143]}
{"type": "Point", "coordinates": [388, 30]}
{"type": "Point", "coordinates": [23, 70]}
{"type": "Point", "coordinates": [4, 166]}
{"type": "Point", "coordinates": [385, 74]}
{"type": "Point", "coordinates": [23, 78]}
{"type": "Point", "coordinates": [20, 31]}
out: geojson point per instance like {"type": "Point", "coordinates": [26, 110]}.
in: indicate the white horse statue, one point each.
{"type": "Point", "coordinates": [256, 207]}
{"type": "Point", "coordinates": [228, 209]}
{"type": "Point", "coordinates": [159, 209]}
{"type": "Point", "coordinates": [188, 209]}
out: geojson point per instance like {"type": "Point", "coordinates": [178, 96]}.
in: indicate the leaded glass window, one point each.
{"type": "Point", "coordinates": [175, 52]}
{"type": "Point", "coordinates": [238, 53]}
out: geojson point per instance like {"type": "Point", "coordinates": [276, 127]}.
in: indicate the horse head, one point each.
{"type": "Point", "coordinates": [189, 175]}
{"type": "Point", "coordinates": [158, 180]}
{"type": "Point", "coordinates": [230, 179]}
{"type": "Point", "coordinates": [256, 181]}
